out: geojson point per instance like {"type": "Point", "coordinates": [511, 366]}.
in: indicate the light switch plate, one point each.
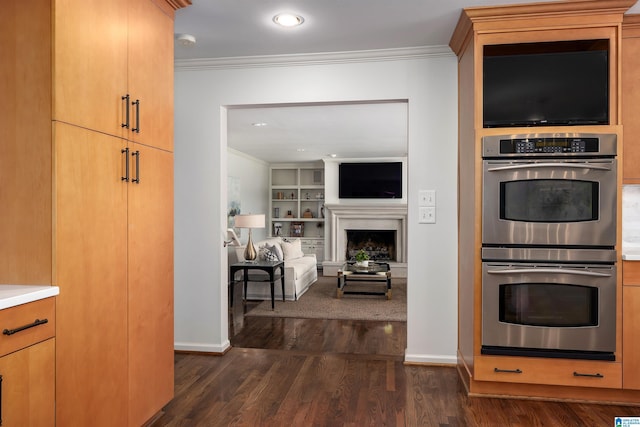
{"type": "Point", "coordinates": [427, 215]}
{"type": "Point", "coordinates": [427, 198]}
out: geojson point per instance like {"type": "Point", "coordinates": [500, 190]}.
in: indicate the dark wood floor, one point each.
{"type": "Point", "coordinates": [310, 372]}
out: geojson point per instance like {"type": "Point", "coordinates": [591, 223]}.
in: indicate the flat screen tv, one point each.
{"type": "Point", "coordinates": [568, 84]}
{"type": "Point", "coordinates": [379, 180]}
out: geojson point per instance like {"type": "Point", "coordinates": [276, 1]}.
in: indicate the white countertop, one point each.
{"type": "Point", "coordinates": [12, 295]}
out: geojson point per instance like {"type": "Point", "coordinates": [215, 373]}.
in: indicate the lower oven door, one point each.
{"type": "Point", "coordinates": [549, 307]}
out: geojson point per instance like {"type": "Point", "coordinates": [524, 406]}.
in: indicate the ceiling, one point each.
{"type": "Point", "coordinates": [244, 28]}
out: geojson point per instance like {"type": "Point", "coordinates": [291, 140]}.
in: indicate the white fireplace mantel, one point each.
{"type": "Point", "coordinates": [342, 217]}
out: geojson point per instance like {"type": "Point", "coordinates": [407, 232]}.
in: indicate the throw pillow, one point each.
{"type": "Point", "coordinates": [266, 254]}
{"type": "Point", "coordinates": [292, 249]}
{"type": "Point", "coordinates": [277, 250]}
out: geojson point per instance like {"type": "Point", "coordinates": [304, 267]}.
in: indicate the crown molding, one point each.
{"type": "Point", "coordinates": [492, 18]}
{"type": "Point", "coordinates": [376, 55]}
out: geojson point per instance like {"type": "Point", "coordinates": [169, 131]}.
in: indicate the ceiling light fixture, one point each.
{"type": "Point", "coordinates": [185, 39]}
{"type": "Point", "coordinates": [288, 19]}
{"type": "Point", "coordinates": [258, 124]}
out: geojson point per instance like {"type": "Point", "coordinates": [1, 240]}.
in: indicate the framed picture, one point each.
{"type": "Point", "coordinates": [297, 229]}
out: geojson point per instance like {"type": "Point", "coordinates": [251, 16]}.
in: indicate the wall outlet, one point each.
{"type": "Point", "coordinates": [427, 215]}
{"type": "Point", "coordinates": [427, 198]}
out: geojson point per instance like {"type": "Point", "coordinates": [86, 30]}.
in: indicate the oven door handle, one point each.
{"type": "Point", "coordinates": [549, 165]}
{"type": "Point", "coordinates": [549, 270]}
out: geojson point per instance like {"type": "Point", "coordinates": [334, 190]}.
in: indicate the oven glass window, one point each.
{"type": "Point", "coordinates": [545, 304]}
{"type": "Point", "coordinates": [549, 200]}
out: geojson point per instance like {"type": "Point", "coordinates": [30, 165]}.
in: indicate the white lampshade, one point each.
{"type": "Point", "coordinates": [250, 221]}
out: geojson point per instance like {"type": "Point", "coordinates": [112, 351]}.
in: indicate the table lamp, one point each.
{"type": "Point", "coordinates": [250, 221]}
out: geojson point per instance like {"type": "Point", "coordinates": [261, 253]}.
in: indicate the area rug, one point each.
{"type": "Point", "coordinates": [320, 302]}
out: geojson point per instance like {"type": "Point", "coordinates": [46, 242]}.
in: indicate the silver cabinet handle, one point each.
{"type": "Point", "coordinates": [550, 165]}
{"type": "Point", "coordinates": [549, 270]}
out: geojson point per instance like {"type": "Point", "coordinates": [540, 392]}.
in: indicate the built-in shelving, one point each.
{"type": "Point", "coordinates": [296, 200]}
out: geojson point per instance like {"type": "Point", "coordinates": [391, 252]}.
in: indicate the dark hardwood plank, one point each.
{"type": "Point", "coordinates": [313, 372]}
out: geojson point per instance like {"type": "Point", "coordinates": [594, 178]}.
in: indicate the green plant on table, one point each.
{"type": "Point", "coordinates": [362, 255]}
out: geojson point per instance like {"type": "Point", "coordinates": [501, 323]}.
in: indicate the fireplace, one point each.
{"type": "Point", "coordinates": [391, 219]}
{"type": "Point", "coordinates": [380, 245]}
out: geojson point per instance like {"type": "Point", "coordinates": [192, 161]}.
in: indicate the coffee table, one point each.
{"type": "Point", "coordinates": [375, 272]}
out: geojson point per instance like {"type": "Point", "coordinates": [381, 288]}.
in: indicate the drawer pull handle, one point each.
{"type": "Point", "coordinates": [578, 374]}
{"type": "Point", "coordinates": [509, 371]}
{"type": "Point", "coordinates": [22, 328]}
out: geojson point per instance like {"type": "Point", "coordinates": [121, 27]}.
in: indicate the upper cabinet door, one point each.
{"type": "Point", "coordinates": [151, 75]}
{"type": "Point", "coordinates": [90, 63]}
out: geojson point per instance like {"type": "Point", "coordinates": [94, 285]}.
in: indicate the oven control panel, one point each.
{"type": "Point", "coordinates": [549, 145]}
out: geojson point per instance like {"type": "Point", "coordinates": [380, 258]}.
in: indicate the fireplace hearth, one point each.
{"type": "Point", "coordinates": [380, 245]}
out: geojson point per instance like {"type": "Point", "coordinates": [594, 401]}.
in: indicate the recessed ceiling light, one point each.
{"type": "Point", "coordinates": [258, 124]}
{"type": "Point", "coordinates": [333, 156]}
{"type": "Point", "coordinates": [300, 150]}
{"type": "Point", "coordinates": [288, 19]}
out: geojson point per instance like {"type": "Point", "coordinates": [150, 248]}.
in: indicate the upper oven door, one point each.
{"type": "Point", "coordinates": [551, 202]}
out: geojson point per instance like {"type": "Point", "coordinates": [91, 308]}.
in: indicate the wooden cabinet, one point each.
{"type": "Point", "coordinates": [631, 99]}
{"type": "Point", "coordinates": [150, 289]}
{"type": "Point", "coordinates": [502, 28]}
{"type": "Point", "coordinates": [27, 367]}
{"type": "Point", "coordinates": [25, 142]}
{"type": "Point", "coordinates": [150, 74]}
{"type": "Point", "coordinates": [631, 324]}
{"type": "Point", "coordinates": [114, 73]}
{"type": "Point", "coordinates": [71, 218]}
{"type": "Point", "coordinates": [115, 270]}
{"type": "Point", "coordinates": [91, 271]}
{"type": "Point", "coordinates": [90, 57]}
{"type": "Point", "coordinates": [566, 372]}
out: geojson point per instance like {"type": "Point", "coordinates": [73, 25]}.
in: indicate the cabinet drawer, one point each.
{"type": "Point", "coordinates": [14, 318]}
{"type": "Point", "coordinates": [569, 372]}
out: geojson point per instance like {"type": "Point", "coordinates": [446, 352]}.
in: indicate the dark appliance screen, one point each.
{"type": "Point", "coordinates": [550, 88]}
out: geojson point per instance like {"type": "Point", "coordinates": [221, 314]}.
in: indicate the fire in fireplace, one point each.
{"type": "Point", "coordinates": [379, 244]}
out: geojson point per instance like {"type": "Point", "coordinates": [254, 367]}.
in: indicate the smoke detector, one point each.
{"type": "Point", "coordinates": [185, 39]}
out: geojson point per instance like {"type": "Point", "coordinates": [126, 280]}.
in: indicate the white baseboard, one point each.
{"type": "Point", "coordinates": [202, 347]}
{"type": "Point", "coordinates": [430, 359]}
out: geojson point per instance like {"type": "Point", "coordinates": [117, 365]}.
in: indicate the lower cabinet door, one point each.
{"type": "Point", "coordinates": [28, 386]}
{"type": "Point", "coordinates": [630, 331]}
{"type": "Point", "coordinates": [150, 286]}
{"type": "Point", "coordinates": [91, 271]}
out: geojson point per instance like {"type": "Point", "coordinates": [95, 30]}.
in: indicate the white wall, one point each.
{"type": "Point", "coordinates": [254, 188]}
{"type": "Point", "coordinates": [428, 83]}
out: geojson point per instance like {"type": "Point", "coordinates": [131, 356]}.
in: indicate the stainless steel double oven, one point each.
{"type": "Point", "coordinates": [548, 236]}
